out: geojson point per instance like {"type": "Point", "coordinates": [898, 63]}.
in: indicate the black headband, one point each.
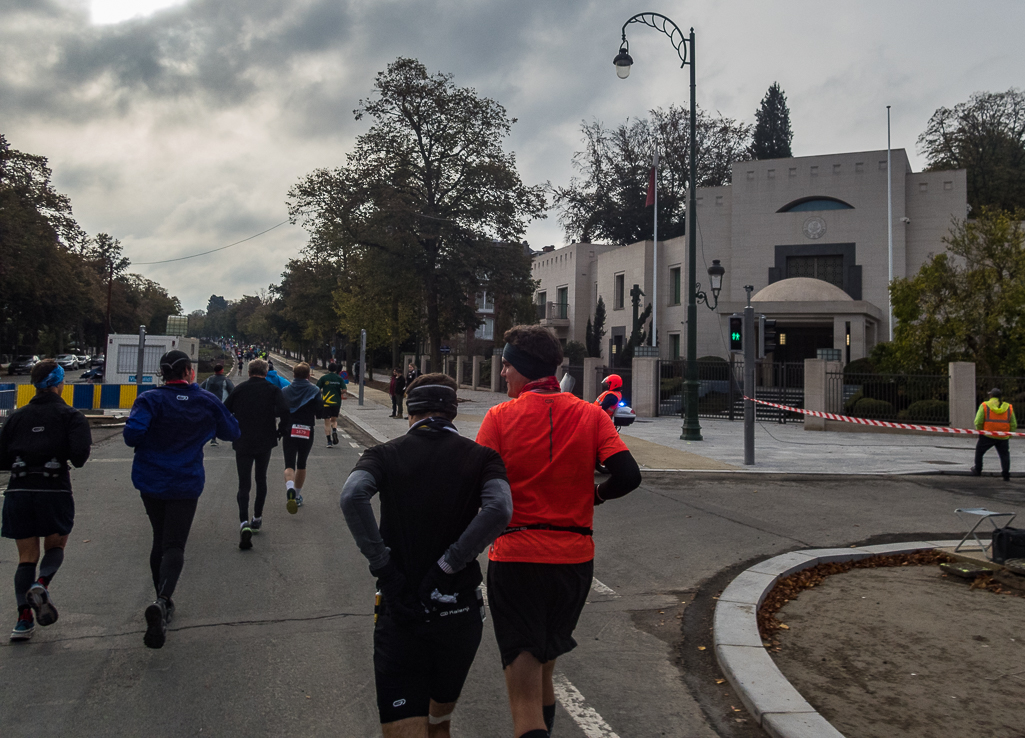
{"type": "Point", "coordinates": [526, 364]}
{"type": "Point", "coordinates": [424, 398]}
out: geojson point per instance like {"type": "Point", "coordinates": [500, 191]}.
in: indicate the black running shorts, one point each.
{"type": "Point", "coordinates": [37, 514]}
{"type": "Point", "coordinates": [418, 663]}
{"type": "Point", "coordinates": [331, 411]}
{"type": "Point", "coordinates": [297, 450]}
{"type": "Point", "coordinates": [535, 607]}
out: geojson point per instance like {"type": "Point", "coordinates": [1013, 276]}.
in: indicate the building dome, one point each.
{"type": "Point", "coordinates": [801, 289]}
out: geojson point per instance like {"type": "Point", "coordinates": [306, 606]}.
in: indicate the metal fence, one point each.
{"type": "Point", "coordinates": [1013, 389]}
{"type": "Point", "coordinates": [917, 398]}
{"type": "Point", "coordinates": [467, 369]}
{"type": "Point", "coordinates": [721, 389]}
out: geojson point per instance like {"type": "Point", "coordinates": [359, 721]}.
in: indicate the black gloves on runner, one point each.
{"type": "Point", "coordinates": [399, 599]}
{"type": "Point", "coordinates": [438, 588]}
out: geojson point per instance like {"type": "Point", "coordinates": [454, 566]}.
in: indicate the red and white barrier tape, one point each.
{"type": "Point", "coordinates": [886, 423]}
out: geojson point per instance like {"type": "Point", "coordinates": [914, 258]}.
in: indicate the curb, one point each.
{"type": "Point", "coordinates": [766, 693]}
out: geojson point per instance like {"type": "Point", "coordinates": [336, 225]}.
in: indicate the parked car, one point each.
{"type": "Point", "coordinates": [97, 360]}
{"type": "Point", "coordinates": [22, 364]}
{"type": "Point", "coordinates": [67, 361]}
{"type": "Point", "coordinates": [83, 360]}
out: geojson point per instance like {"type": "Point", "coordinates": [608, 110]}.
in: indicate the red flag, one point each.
{"type": "Point", "coordinates": [651, 189]}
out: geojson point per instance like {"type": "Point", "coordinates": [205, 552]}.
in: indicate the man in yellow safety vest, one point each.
{"type": "Point", "coordinates": [994, 415]}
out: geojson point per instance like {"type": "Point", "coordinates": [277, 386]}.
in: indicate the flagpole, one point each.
{"type": "Point", "coordinates": [889, 223]}
{"type": "Point", "coordinates": [654, 276]}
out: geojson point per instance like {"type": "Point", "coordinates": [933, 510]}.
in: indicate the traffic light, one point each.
{"type": "Point", "coordinates": [737, 333]}
{"type": "Point", "coordinates": [766, 336]}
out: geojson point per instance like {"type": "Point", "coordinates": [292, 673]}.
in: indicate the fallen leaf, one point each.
{"type": "Point", "coordinates": [701, 648]}
{"type": "Point", "coordinates": [87, 540]}
{"type": "Point", "coordinates": [784, 626]}
{"type": "Point", "coordinates": [720, 681]}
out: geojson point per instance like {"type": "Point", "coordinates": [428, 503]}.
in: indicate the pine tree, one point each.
{"type": "Point", "coordinates": [772, 134]}
{"type": "Point", "coordinates": [594, 333]}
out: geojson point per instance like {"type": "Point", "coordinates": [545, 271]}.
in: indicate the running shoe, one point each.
{"type": "Point", "coordinates": [291, 505]}
{"type": "Point", "coordinates": [24, 627]}
{"type": "Point", "coordinates": [330, 444]}
{"type": "Point", "coordinates": [39, 600]}
{"type": "Point", "coordinates": [169, 609]}
{"type": "Point", "coordinates": [245, 537]}
{"type": "Point", "coordinates": [255, 524]}
{"type": "Point", "coordinates": [298, 499]}
{"type": "Point", "coordinates": [334, 437]}
{"type": "Point", "coordinates": [156, 625]}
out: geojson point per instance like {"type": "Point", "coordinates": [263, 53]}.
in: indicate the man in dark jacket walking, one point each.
{"type": "Point", "coordinates": [305, 406]}
{"type": "Point", "coordinates": [255, 404]}
{"type": "Point", "coordinates": [168, 427]}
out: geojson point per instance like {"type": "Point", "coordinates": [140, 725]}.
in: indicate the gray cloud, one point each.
{"type": "Point", "coordinates": [182, 131]}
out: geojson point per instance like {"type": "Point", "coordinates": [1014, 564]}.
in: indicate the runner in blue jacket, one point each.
{"type": "Point", "coordinates": [168, 427]}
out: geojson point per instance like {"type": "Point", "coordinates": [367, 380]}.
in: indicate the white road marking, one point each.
{"type": "Point", "coordinates": [353, 444]}
{"type": "Point", "coordinates": [602, 589]}
{"type": "Point", "coordinates": [345, 435]}
{"type": "Point", "coordinates": [589, 721]}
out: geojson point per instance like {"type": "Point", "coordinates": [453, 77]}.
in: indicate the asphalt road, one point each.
{"type": "Point", "coordinates": [278, 640]}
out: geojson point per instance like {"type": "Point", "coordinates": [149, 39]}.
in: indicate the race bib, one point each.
{"type": "Point", "coordinates": [301, 431]}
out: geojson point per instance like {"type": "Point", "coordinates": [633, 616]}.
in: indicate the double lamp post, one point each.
{"type": "Point", "coordinates": [623, 62]}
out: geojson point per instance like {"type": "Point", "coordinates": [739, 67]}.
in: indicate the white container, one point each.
{"type": "Point", "coordinates": [123, 356]}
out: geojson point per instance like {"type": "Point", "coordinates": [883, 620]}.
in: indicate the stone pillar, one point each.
{"type": "Point", "coordinates": [962, 394]}
{"type": "Point", "coordinates": [859, 339]}
{"type": "Point", "coordinates": [645, 386]}
{"type": "Point", "coordinates": [407, 359]}
{"type": "Point", "coordinates": [459, 371]}
{"type": "Point", "coordinates": [591, 388]}
{"type": "Point", "coordinates": [496, 370]}
{"type": "Point", "coordinates": [475, 374]}
{"type": "Point", "coordinates": [814, 393]}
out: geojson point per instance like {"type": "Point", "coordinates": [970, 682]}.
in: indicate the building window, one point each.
{"type": "Point", "coordinates": [827, 268]}
{"type": "Point", "coordinates": [485, 332]}
{"type": "Point", "coordinates": [485, 302]}
{"type": "Point", "coordinates": [562, 303]}
{"type": "Point", "coordinates": [674, 345]}
{"type": "Point", "coordinates": [674, 286]}
{"type": "Point", "coordinates": [806, 204]}
{"type": "Point", "coordinates": [619, 293]}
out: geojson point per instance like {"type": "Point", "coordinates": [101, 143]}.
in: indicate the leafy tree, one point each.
{"type": "Point", "coordinates": [429, 185]}
{"type": "Point", "coordinates": [607, 201]}
{"type": "Point", "coordinates": [638, 335]}
{"type": "Point", "coordinates": [594, 333]}
{"type": "Point", "coordinates": [985, 136]}
{"type": "Point", "coordinates": [575, 352]}
{"type": "Point", "coordinates": [965, 304]}
{"type": "Point", "coordinates": [772, 134]}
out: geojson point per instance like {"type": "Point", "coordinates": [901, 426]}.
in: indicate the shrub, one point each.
{"type": "Point", "coordinates": [934, 411]}
{"type": "Point", "coordinates": [859, 366]}
{"type": "Point", "coordinates": [848, 407]}
{"type": "Point", "coordinates": [866, 407]}
{"type": "Point", "coordinates": [575, 352]}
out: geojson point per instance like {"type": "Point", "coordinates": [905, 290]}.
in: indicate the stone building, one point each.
{"type": "Point", "coordinates": [808, 233]}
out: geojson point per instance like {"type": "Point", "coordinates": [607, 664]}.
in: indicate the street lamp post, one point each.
{"type": "Point", "coordinates": [623, 62]}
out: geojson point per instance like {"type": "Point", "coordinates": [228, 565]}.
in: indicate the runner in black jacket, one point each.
{"type": "Point", "coordinates": [36, 444]}
{"type": "Point", "coordinates": [305, 407]}
{"type": "Point", "coordinates": [256, 404]}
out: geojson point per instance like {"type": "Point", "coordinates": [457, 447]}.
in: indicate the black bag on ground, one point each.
{"type": "Point", "coordinates": [1008, 543]}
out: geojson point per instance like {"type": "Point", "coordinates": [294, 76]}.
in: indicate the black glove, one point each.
{"type": "Point", "coordinates": [437, 588]}
{"type": "Point", "coordinates": [398, 598]}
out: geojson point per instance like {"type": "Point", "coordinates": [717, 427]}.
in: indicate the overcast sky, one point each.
{"type": "Point", "coordinates": [178, 127]}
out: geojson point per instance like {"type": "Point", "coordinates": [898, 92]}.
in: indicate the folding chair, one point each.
{"type": "Point", "coordinates": [982, 514]}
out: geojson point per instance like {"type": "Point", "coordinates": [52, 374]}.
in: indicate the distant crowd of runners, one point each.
{"type": "Point", "coordinates": [526, 487]}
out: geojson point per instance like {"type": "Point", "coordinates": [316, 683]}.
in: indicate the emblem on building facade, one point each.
{"type": "Point", "coordinates": [814, 227]}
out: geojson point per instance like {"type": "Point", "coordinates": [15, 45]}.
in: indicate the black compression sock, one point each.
{"type": "Point", "coordinates": [51, 562]}
{"type": "Point", "coordinates": [535, 734]}
{"type": "Point", "coordinates": [548, 711]}
{"type": "Point", "coordinates": [24, 577]}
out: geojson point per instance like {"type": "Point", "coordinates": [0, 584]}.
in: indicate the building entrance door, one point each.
{"type": "Point", "coordinates": [800, 342]}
